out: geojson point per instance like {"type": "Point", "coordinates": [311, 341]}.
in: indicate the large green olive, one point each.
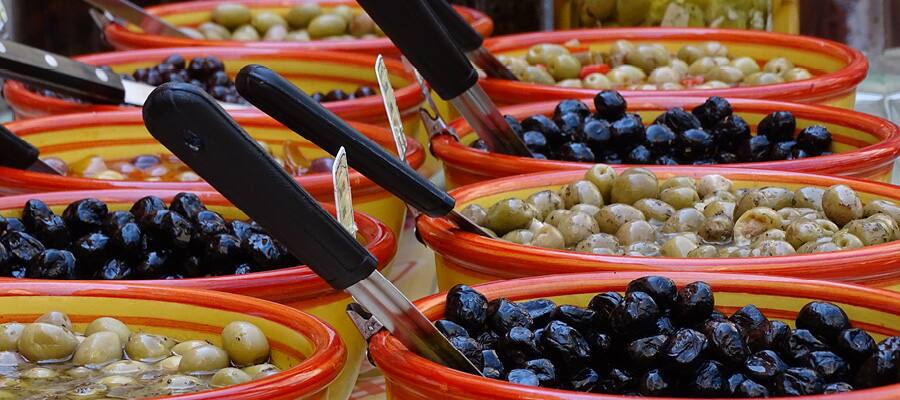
{"type": "Point", "coordinates": [636, 231]}
{"type": "Point", "coordinates": [704, 251]}
{"type": "Point", "coordinates": [276, 33]}
{"type": "Point", "coordinates": [847, 240]}
{"type": "Point", "coordinates": [884, 207]}
{"type": "Point", "coordinates": [362, 24]}
{"type": "Point", "coordinates": [519, 236]}
{"type": "Point", "coordinates": [603, 177]}
{"type": "Point", "coordinates": [9, 335]}
{"type": "Point", "coordinates": [684, 220]}
{"type": "Point", "coordinates": [719, 209]}
{"type": "Point", "coordinates": [662, 75]}
{"type": "Point", "coordinates": [778, 65]}
{"type": "Point", "coordinates": [679, 197]}
{"type": "Point", "coordinates": [770, 234]}
{"type": "Point", "coordinates": [620, 47]}
{"type": "Point", "coordinates": [300, 15]}
{"type": "Point", "coordinates": [648, 57]}
{"type": "Point", "coordinates": [701, 66]}
{"type": "Point", "coordinates": [537, 75]}
{"type": "Point", "coordinates": [643, 249]}
{"type": "Point", "coordinates": [775, 198]}
{"type": "Point", "coordinates": [231, 15]}
{"type": "Point", "coordinates": [714, 49]}
{"type": "Point", "coordinates": [690, 53]}
{"type": "Point", "coordinates": [678, 181]}
{"type": "Point", "coordinates": [725, 73]}
{"type": "Point", "coordinates": [542, 53]}
{"type": "Point", "coordinates": [577, 226]}
{"type": "Point", "coordinates": [509, 214]}
{"type": "Point", "coordinates": [245, 33]}
{"type": "Point", "coordinates": [626, 75]}
{"type": "Point", "coordinates": [597, 241]}
{"type": "Point", "coordinates": [56, 318]}
{"type": "Point", "coordinates": [841, 204]}
{"type": "Point", "coordinates": [710, 184]}
{"type": "Point", "coordinates": [655, 209]}
{"type": "Point", "coordinates": [763, 78]}
{"type": "Point", "coordinates": [555, 216]}
{"type": "Point", "coordinates": [755, 222]}
{"type": "Point", "coordinates": [214, 31]}
{"type": "Point", "coordinates": [110, 325]}
{"type": "Point", "coordinates": [747, 65]}
{"type": "Point", "coordinates": [772, 248]}
{"type": "Point", "coordinates": [613, 216]}
{"type": "Point", "coordinates": [564, 66]}
{"type": "Point", "coordinates": [326, 25]}
{"type": "Point", "coordinates": [264, 21]}
{"type": "Point", "coordinates": [581, 192]}
{"type": "Point", "coordinates": [203, 360]}
{"type": "Point", "coordinates": [228, 377]}
{"type": "Point", "coordinates": [116, 381]}
{"type": "Point", "coordinates": [260, 370]}
{"type": "Point", "coordinates": [596, 81]}
{"type": "Point", "coordinates": [39, 373]}
{"type": "Point", "coordinates": [170, 363]}
{"type": "Point", "coordinates": [809, 197]}
{"type": "Point", "coordinates": [678, 246]}
{"type": "Point", "coordinates": [475, 213]}
{"type": "Point", "coordinates": [718, 229]}
{"type": "Point", "coordinates": [588, 209]}
{"type": "Point", "coordinates": [147, 347]}
{"type": "Point", "coordinates": [98, 349]}
{"type": "Point", "coordinates": [870, 231]}
{"type": "Point", "coordinates": [298, 36]}
{"type": "Point", "coordinates": [629, 188]}
{"type": "Point", "coordinates": [40, 342]}
{"type": "Point", "coordinates": [796, 74]}
{"type": "Point", "coordinates": [721, 195]}
{"type": "Point", "coordinates": [245, 343]}
{"type": "Point", "coordinates": [801, 232]}
{"type": "Point", "coordinates": [548, 237]}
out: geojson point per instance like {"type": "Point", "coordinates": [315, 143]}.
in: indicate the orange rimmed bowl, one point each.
{"type": "Point", "coordinates": [410, 377]}
{"type": "Point", "coordinates": [837, 69]}
{"type": "Point", "coordinates": [865, 146]}
{"type": "Point", "coordinates": [463, 257]}
{"type": "Point", "coordinates": [297, 287]}
{"type": "Point", "coordinates": [197, 12]}
{"type": "Point", "coordinates": [121, 135]}
{"type": "Point", "coordinates": [309, 352]}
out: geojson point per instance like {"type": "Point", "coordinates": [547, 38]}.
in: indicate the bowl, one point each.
{"type": "Point", "coordinates": [463, 257]}
{"type": "Point", "coordinates": [297, 287]}
{"type": "Point", "coordinates": [122, 135]}
{"type": "Point", "coordinates": [838, 68]}
{"type": "Point", "coordinates": [312, 71]}
{"type": "Point", "coordinates": [865, 146]}
{"type": "Point", "coordinates": [309, 351]}
{"type": "Point", "coordinates": [410, 377]}
{"type": "Point", "coordinates": [196, 12]}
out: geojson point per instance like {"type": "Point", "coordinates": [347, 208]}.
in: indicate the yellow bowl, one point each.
{"type": "Point", "coordinates": [308, 351]}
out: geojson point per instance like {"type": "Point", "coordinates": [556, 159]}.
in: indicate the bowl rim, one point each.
{"type": "Point", "coordinates": [886, 150]}
{"type": "Point", "coordinates": [119, 35]}
{"type": "Point", "coordinates": [367, 108]}
{"type": "Point", "coordinates": [283, 283]}
{"type": "Point", "coordinates": [447, 240]}
{"type": "Point", "coordinates": [319, 184]}
{"type": "Point", "coordinates": [821, 87]}
{"type": "Point", "coordinates": [405, 366]}
{"type": "Point", "coordinates": [312, 374]}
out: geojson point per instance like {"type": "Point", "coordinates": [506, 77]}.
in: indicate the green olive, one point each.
{"type": "Point", "coordinates": [889, 222]}
{"type": "Point", "coordinates": [39, 373]}
{"type": "Point", "coordinates": [755, 222]}
{"type": "Point", "coordinates": [621, 47]}
{"type": "Point", "coordinates": [847, 240]}
{"type": "Point", "coordinates": [747, 65]}
{"type": "Point", "coordinates": [767, 248]}
{"type": "Point", "coordinates": [809, 197]}
{"type": "Point", "coordinates": [362, 24]}
{"type": "Point", "coordinates": [245, 343]}
{"type": "Point", "coordinates": [678, 181]}
{"type": "Point", "coordinates": [170, 363]}
{"type": "Point", "coordinates": [541, 54]}
{"type": "Point", "coordinates": [679, 197]}
{"type": "Point", "coordinates": [300, 15]}
{"type": "Point", "coordinates": [679, 66]}
{"type": "Point", "coordinates": [124, 367]}
{"type": "Point", "coordinates": [537, 75]}
{"type": "Point", "coordinates": [636, 231]}
{"type": "Point", "coordinates": [327, 25]}
{"type": "Point", "coordinates": [678, 246]}
{"type": "Point", "coordinates": [632, 12]}
{"type": "Point", "coordinates": [111, 325]}
{"type": "Point", "coordinates": [690, 53]}
{"type": "Point", "coordinates": [597, 241]}
{"type": "Point", "coordinates": [600, 9]}
{"type": "Point", "coordinates": [260, 370]}
{"type": "Point", "coordinates": [509, 214]}
{"type": "Point", "coordinates": [763, 78]}
{"type": "Point", "coordinates": [9, 335]}
{"type": "Point", "coordinates": [203, 360]}
{"type": "Point", "coordinates": [630, 188]}
{"type": "Point", "coordinates": [884, 207]}
{"type": "Point", "coordinates": [555, 216]}
{"type": "Point", "coordinates": [79, 372]}
{"type": "Point", "coordinates": [725, 73]}
{"type": "Point", "coordinates": [841, 204]}
{"type": "Point", "coordinates": [298, 36]}
{"type": "Point", "coordinates": [245, 33]}
{"type": "Point", "coordinates": [548, 237]}
{"type": "Point", "coordinates": [265, 20]}
{"type": "Point", "coordinates": [643, 249]}
{"type": "Point", "coordinates": [684, 220]}
{"type": "Point", "coordinates": [718, 229]}
{"type": "Point", "coordinates": [56, 318]}
{"type": "Point", "coordinates": [778, 65]}
{"type": "Point", "coordinates": [563, 66]}
{"type": "Point", "coordinates": [655, 209]}
{"type": "Point", "coordinates": [710, 184]}
{"type": "Point", "coordinates": [581, 192]}
{"type": "Point", "coordinates": [570, 83]}
{"type": "Point", "coordinates": [180, 383]}
{"type": "Point", "coordinates": [475, 213]}
{"type": "Point", "coordinates": [343, 11]}
{"type": "Point", "coordinates": [719, 209]}
{"type": "Point", "coordinates": [647, 57]}
{"type": "Point", "coordinates": [228, 377]}
{"type": "Point", "coordinates": [603, 177]}
{"type": "Point", "coordinates": [796, 74]}
{"type": "Point", "coordinates": [771, 197]}
{"type": "Point", "coordinates": [596, 81]}
{"type": "Point", "coordinates": [214, 31]}
{"type": "Point", "coordinates": [626, 75]}
{"type": "Point", "coordinates": [713, 85]}
{"type": "Point", "coordinates": [577, 226]}
{"type": "Point", "coordinates": [701, 66]}
{"type": "Point", "coordinates": [721, 195]}
{"type": "Point", "coordinates": [519, 236]}
{"type": "Point", "coordinates": [231, 15]}
{"type": "Point", "coordinates": [663, 75]}
{"type": "Point", "coordinates": [116, 380]}
{"type": "Point", "coordinates": [40, 342]}
{"type": "Point", "coordinates": [544, 202]}
{"type": "Point", "coordinates": [588, 209]}
{"type": "Point", "coordinates": [613, 216]}
{"type": "Point", "coordinates": [276, 33]}
{"type": "Point", "coordinates": [870, 231]}
{"type": "Point", "coordinates": [714, 49]}
{"type": "Point", "coordinates": [789, 215]}
{"type": "Point", "coordinates": [148, 347]}
{"type": "Point", "coordinates": [98, 349]}
{"type": "Point", "coordinates": [801, 232]}
{"type": "Point", "coordinates": [704, 251]}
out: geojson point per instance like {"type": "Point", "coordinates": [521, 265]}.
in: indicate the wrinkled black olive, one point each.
{"type": "Point", "coordinates": [172, 228]}
{"type": "Point", "coordinates": [542, 124]}
{"type": "Point", "coordinates": [798, 382]}
{"type": "Point", "coordinates": [751, 320]}
{"type": "Point", "coordinates": [192, 266]}
{"type": "Point", "coordinates": [147, 206]}
{"type": "Point", "coordinates": [733, 381]}
{"type": "Point", "coordinates": [364, 91]}
{"type": "Point", "coordinates": [610, 105]}
{"type": "Point", "coordinates": [837, 387]}
{"type": "Point", "coordinates": [34, 210]}
{"type": "Point", "coordinates": [678, 120]}
{"type": "Point", "coordinates": [615, 381]}
{"type": "Point", "coordinates": [210, 223]}
{"type": "Point", "coordinates": [115, 220]}
{"type": "Point", "coordinates": [814, 139]}
{"type": "Point", "coordinates": [335, 95]}
{"type": "Point", "coordinates": [518, 346]}
{"type": "Point", "coordinates": [85, 216]}
{"type": "Point", "coordinates": [450, 328]}
{"type": "Point", "coordinates": [576, 317]}
{"type": "Point", "coordinates": [571, 106]}
{"type": "Point", "coordinates": [601, 347]}
{"type": "Point", "coordinates": [611, 158]}
{"type": "Point", "coordinates": [782, 150]}
{"type": "Point", "coordinates": [707, 380]}
{"type": "Point", "coordinates": [469, 348]}
{"type": "Point", "coordinates": [645, 352]}
{"type": "Point", "coordinates": [726, 158]}
{"type": "Point", "coordinates": [685, 348]}
{"type": "Point", "coordinates": [751, 389]}
{"type": "Point", "coordinates": [52, 232]}
{"type": "Point", "coordinates": [154, 264]}
{"type": "Point", "coordinates": [570, 124]}
{"type": "Point", "coordinates": [52, 264]}
{"type": "Point", "coordinates": [661, 289]}
{"type": "Point", "coordinates": [479, 144]}
{"type": "Point", "coordinates": [545, 371]}
{"type": "Point", "coordinates": [466, 307]}
{"type": "Point", "coordinates": [712, 111]}
{"type": "Point", "coordinates": [188, 205]}
{"type": "Point", "coordinates": [827, 365]}
{"type": "Point", "coordinates": [514, 125]}
{"type": "Point", "coordinates": [877, 370]}
{"type": "Point", "coordinates": [773, 336]}
{"type": "Point", "coordinates": [797, 154]}
{"type": "Point", "coordinates": [596, 134]}
{"type": "Point", "coordinates": [694, 302]}
{"type": "Point", "coordinates": [540, 310]}
{"type": "Point", "coordinates": [11, 224]}
{"type": "Point", "coordinates": [262, 249]}
{"type": "Point", "coordinates": [21, 246]}
{"type": "Point", "coordinates": [694, 144]}
{"type": "Point", "coordinates": [754, 150]}
{"type": "Point", "coordinates": [764, 365]}
{"type": "Point", "coordinates": [575, 151]}
{"type": "Point", "coordinates": [503, 315]}
{"type": "Point", "coordinates": [492, 361]}
{"type": "Point", "coordinates": [128, 238]}
{"type": "Point", "coordinates": [243, 269]}
{"type": "Point", "coordinates": [92, 249]}
{"type": "Point", "coordinates": [535, 141]}
{"type": "Point", "coordinates": [823, 319]}
{"type": "Point", "coordinates": [223, 250]}
{"type": "Point", "coordinates": [659, 139]}
{"type": "Point", "coordinates": [727, 343]}
{"type": "Point", "coordinates": [523, 377]}
{"type": "Point", "coordinates": [635, 315]}
{"type": "Point", "coordinates": [666, 160]}
{"type": "Point", "coordinates": [627, 132]}
{"type": "Point", "coordinates": [488, 339]}
{"type": "Point", "coordinates": [565, 346]}
{"type": "Point", "coordinates": [655, 383]}
{"type": "Point", "coordinates": [664, 326]}
{"type": "Point", "coordinates": [799, 344]}
{"type": "Point", "coordinates": [777, 126]}
{"type": "Point", "coordinates": [854, 344]}
{"type": "Point", "coordinates": [114, 269]}
{"type": "Point", "coordinates": [584, 380]}
{"type": "Point", "coordinates": [17, 271]}
{"type": "Point", "coordinates": [639, 155]}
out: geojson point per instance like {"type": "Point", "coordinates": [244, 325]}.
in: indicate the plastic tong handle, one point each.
{"type": "Point", "coordinates": [465, 37]}
{"type": "Point", "coordinates": [15, 152]}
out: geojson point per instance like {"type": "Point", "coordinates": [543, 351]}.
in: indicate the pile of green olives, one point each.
{"type": "Point", "coordinates": [636, 214]}
{"type": "Point", "coordinates": [47, 359]}
{"type": "Point", "coordinates": [634, 66]}
{"type": "Point", "coordinates": [304, 22]}
{"type": "Point", "coordinates": [734, 14]}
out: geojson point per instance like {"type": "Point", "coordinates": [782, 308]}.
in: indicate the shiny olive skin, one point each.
{"type": "Point", "coordinates": [544, 202]}
{"type": "Point", "coordinates": [841, 204]}
{"type": "Point", "coordinates": [245, 343]}
{"type": "Point", "coordinates": [148, 347]}
{"type": "Point", "coordinates": [46, 342]}
{"type": "Point", "coordinates": [613, 216]}
{"type": "Point", "coordinates": [475, 213]}
{"type": "Point", "coordinates": [636, 231]}
{"type": "Point", "coordinates": [581, 192]}
{"type": "Point", "coordinates": [655, 209]}
{"type": "Point", "coordinates": [882, 206]}
{"type": "Point", "coordinates": [755, 222]}
{"type": "Point", "coordinates": [300, 15]}
{"type": "Point", "coordinates": [577, 226]}
{"type": "Point", "coordinates": [326, 25]}
{"type": "Point", "coordinates": [231, 15]}
{"type": "Point", "coordinates": [203, 360]}
{"type": "Point", "coordinates": [679, 197]}
{"type": "Point", "coordinates": [603, 177]}
{"type": "Point", "coordinates": [629, 188]}
{"type": "Point", "coordinates": [684, 220]}
{"type": "Point", "coordinates": [508, 215]}
{"type": "Point", "coordinates": [56, 318]}
{"type": "Point", "coordinates": [98, 349]}
{"type": "Point", "coordinates": [107, 324]}
{"type": "Point", "coordinates": [598, 241]}
{"type": "Point", "coordinates": [228, 377]}
{"type": "Point", "coordinates": [809, 197]}
{"type": "Point", "coordinates": [9, 335]}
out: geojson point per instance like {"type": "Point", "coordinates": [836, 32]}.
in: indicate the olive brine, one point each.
{"type": "Point", "coordinates": [47, 359]}
{"type": "Point", "coordinates": [151, 241]}
{"type": "Point", "coordinates": [659, 340]}
{"type": "Point", "coordinates": [710, 134]}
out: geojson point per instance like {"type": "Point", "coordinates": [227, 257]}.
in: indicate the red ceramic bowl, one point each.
{"type": "Point", "coordinates": [297, 287]}
{"type": "Point", "coordinates": [410, 377]}
{"type": "Point", "coordinates": [196, 12]}
{"type": "Point", "coordinates": [865, 146]}
{"type": "Point", "coordinates": [463, 257]}
{"type": "Point", "coordinates": [837, 68]}
{"type": "Point", "coordinates": [309, 351]}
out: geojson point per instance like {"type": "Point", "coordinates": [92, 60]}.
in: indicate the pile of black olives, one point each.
{"type": "Point", "coordinates": [659, 340]}
{"type": "Point", "coordinates": [151, 241]}
{"type": "Point", "coordinates": [709, 134]}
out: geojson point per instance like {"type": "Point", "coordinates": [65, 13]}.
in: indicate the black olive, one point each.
{"type": "Point", "coordinates": [707, 380]}
{"type": "Point", "coordinates": [11, 224]}
{"type": "Point", "coordinates": [797, 154]}
{"type": "Point", "coordinates": [596, 133]}
{"type": "Point", "coordinates": [655, 383]}
{"type": "Point", "coordinates": [540, 310]}
{"type": "Point", "coordinates": [854, 344]}
{"type": "Point", "coordinates": [678, 120]}
{"type": "Point", "coordinates": [751, 389]}
{"type": "Point", "coordinates": [114, 269]}
{"type": "Point", "coordinates": [140, 74]}
{"type": "Point", "coordinates": [782, 150]}
{"type": "Point", "coordinates": [627, 132]}
{"type": "Point", "coordinates": [449, 328]}
{"type": "Point", "coordinates": [210, 223]}
{"type": "Point", "coordinates": [751, 320]}
{"type": "Point", "coordinates": [128, 238]}
{"type": "Point", "coordinates": [175, 60]}
{"type": "Point", "coordinates": [799, 344]}
{"type": "Point", "coordinates": [659, 139]}
{"type": "Point", "coordinates": [503, 315]}
{"type": "Point", "coordinates": [775, 333]}
{"type": "Point", "coordinates": [172, 276]}
{"type": "Point", "coordinates": [92, 250]}
{"type": "Point", "coordinates": [877, 370]}
{"type": "Point", "coordinates": [569, 124]}
{"type": "Point", "coordinates": [584, 380]}
{"type": "Point", "coordinates": [318, 97]}
{"type": "Point", "coordinates": [726, 342]}
{"type": "Point", "coordinates": [731, 133]}
{"type": "Point", "coordinates": [635, 315]}
{"type": "Point", "coordinates": [798, 382]}
{"type": "Point", "coordinates": [52, 264]}
{"type": "Point", "coordinates": [764, 365]}
{"type": "Point", "coordinates": [21, 246]}
{"type": "Point", "coordinates": [335, 95]}
{"type": "Point", "coordinates": [262, 249]}
{"type": "Point", "coordinates": [171, 228]}
{"type": "Point", "coordinates": [219, 78]}
{"type": "Point", "coordinates": [823, 319]}
{"type": "Point", "coordinates": [565, 346]}
{"type": "Point", "coordinates": [661, 289]}
{"type": "Point", "coordinates": [575, 151]}
{"type": "Point", "coordinates": [146, 207]}
{"type": "Point", "coordinates": [490, 373]}
{"type": "Point", "coordinates": [827, 365]}
{"type": "Point", "coordinates": [544, 370]}
{"type": "Point", "coordinates": [192, 266]}
{"type": "Point", "coordinates": [535, 141]}
{"type": "Point", "coordinates": [616, 381]}
{"type": "Point", "coordinates": [52, 232]}
{"type": "Point", "coordinates": [364, 91]}
{"type": "Point", "coordinates": [34, 210]}
{"type": "Point", "coordinates": [470, 348]}
{"type": "Point", "coordinates": [610, 105]}
{"type": "Point", "coordinates": [224, 250]}
{"type": "Point", "coordinates": [610, 157]}
{"type": "Point", "coordinates": [694, 302]}
{"type": "Point", "coordinates": [704, 161]}
{"type": "Point", "coordinates": [645, 352]}
{"type": "Point", "coordinates": [732, 382]}
{"type": "Point", "coordinates": [488, 339]}
{"type": "Point", "coordinates": [514, 124]}
{"type": "Point", "coordinates": [576, 317]}
{"type": "Point", "coordinates": [639, 155]}
{"type": "Point", "coordinates": [466, 307]}
{"type": "Point", "coordinates": [814, 139]}
{"type": "Point", "coordinates": [666, 160]}
{"type": "Point", "coordinates": [523, 377]}
{"type": "Point", "coordinates": [684, 349]}
{"type": "Point", "coordinates": [154, 264]}
{"type": "Point", "coordinates": [754, 150]}
{"type": "Point", "coordinates": [837, 387]}
{"type": "Point", "coordinates": [571, 106]}
{"type": "Point", "coordinates": [492, 360]}
{"type": "Point", "coordinates": [154, 78]}
{"type": "Point", "coordinates": [778, 126]}
{"type": "Point", "coordinates": [694, 144]}
{"type": "Point", "coordinates": [601, 347]}
{"type": "Point", "coordinates": [664, 326]}
{"type": "Point", "coordinates": [188, 205]}
{"type": "Point", "coordinates": [16, 271]}
{"type": "Point", "coordinates": [115, 220]}
{"type": "Point", "coordinates": [713, 111]}
{"type": "Point", "coordinates": [542, 124]}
